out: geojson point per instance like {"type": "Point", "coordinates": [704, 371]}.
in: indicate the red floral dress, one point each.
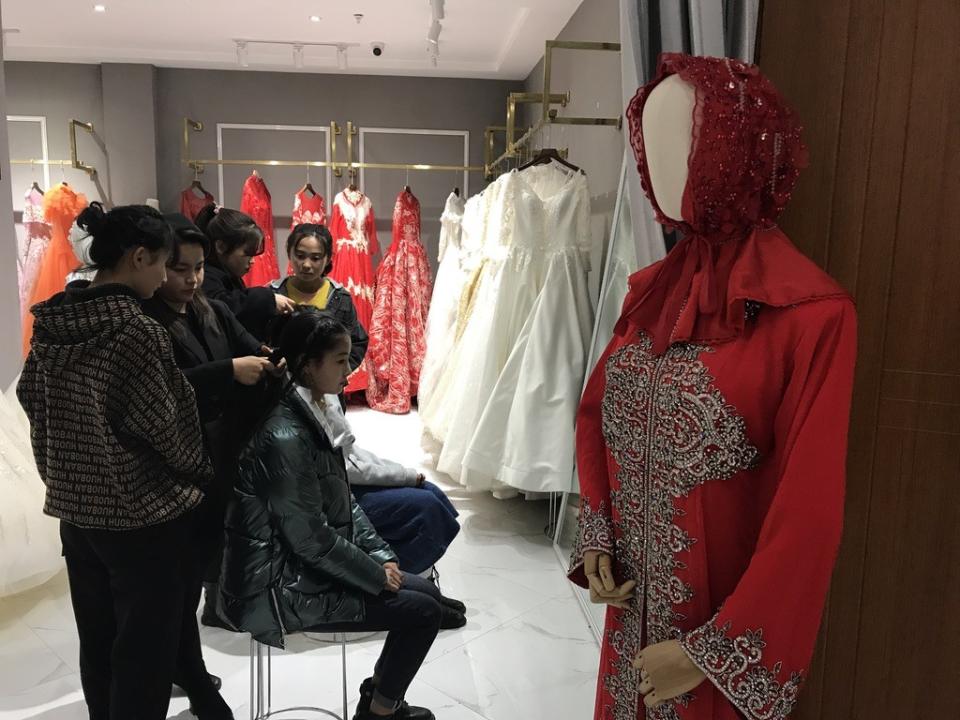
{"type": "Point", "coordinates": [307, 209]}
{"type": "Point", "coordinates": [354, 244]}
{"type": "Point", "coordinates": [712, 435]}
{"type": "Point", "coordinates": [256, 203]}
{"type": "Point", "coordinates": [398, 330]}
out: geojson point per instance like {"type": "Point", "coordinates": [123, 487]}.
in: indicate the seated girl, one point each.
{"type": "Point", "coordinates": [300, 554]}
{"type": "Point", "coordinates": [410, 513]}
{"type": "Point", "coordinates": [235, 239]}
{"type": "Point", "coordinates": [310, 249]}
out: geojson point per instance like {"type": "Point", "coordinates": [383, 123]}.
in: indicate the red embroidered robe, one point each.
{"type": "Point", "coordinates": [712, 470]}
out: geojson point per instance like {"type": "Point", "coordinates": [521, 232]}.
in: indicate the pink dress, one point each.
{"type": "Point", "coordinates": [38, 239]}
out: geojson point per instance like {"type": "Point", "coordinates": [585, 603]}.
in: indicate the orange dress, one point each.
{"type": "Point", "coordinates": [61, 205]}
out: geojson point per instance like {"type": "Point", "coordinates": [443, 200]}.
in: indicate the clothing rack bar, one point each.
{"type": "Point", "coordinates": [61, 163]}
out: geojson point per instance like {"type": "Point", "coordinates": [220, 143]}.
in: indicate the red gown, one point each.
{"type": "Point", "coordinates": [191, 204]}
{"type": "Point", "coordinates": [398, 330]}
{"type": "Point", "coordinates": [306, 209]}
{"type": "Point", "coordinates": [354, 245]}
{"type": "Point", "coordinates": [61, 205]}
{"type": "Point", "coordinates": [711, 438]}
{"type": "Point", "coordinates": [257, 204]}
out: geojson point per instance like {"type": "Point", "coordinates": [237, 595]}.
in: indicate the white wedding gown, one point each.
{"type": "Point", "coordinates": [523, 223]}
{"type": "Point", "coordinates": [525, 436]}
{"type": "Point", "coordinates": [442, 318]}
{"type": "Point", "coordinates": [29, 540]}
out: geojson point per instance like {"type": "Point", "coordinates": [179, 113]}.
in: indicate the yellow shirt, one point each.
{"type": "Point", "coordinates": [318, 299]}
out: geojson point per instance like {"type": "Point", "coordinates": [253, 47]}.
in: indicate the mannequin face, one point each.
{"type": "Point", "coordinates": [328, 375]}
{"type": "Point", "coordinates": [667, 139]}
{"type": "Point", "coordinates": [184, 277]}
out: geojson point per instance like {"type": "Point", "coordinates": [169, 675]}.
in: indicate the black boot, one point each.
{"type": "Point", "coordinates": [450, 619]}
{"type": "Point", "coordinates": [453, 604]}
{"type": "Point", "coordinates": [404, 712]}
{"type": "Point", "coordinates": [206, 702]}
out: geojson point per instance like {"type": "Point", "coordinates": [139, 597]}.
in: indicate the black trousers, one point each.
{"type": "Point", "coordinates": [128, 590]}
{"type": "Point", "coordinates": [411, 618]}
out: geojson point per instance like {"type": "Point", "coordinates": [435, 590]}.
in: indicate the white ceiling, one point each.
{"type": "Point", "coordinates": [480, 38]}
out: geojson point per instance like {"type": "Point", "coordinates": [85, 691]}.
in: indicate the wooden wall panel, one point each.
{"type": "Point", "coordinates": [875, 84]}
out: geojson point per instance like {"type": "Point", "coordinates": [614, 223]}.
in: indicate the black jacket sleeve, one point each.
{"type": "Point", "coordinates": [346, 313]}
{"type": "Point", "coordinates": [242, 343]}
{"type": "Point", "coordinates": [253, 307]}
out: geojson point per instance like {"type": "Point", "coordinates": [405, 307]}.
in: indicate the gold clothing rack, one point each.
{"type": "Point", "coordinates": [337, 166]}
{"type": "Point", "coordinates": [74, 161]}
{"type": "Point", "coordinates": [549, 116]}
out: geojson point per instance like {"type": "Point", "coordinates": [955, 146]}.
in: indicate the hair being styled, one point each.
{"type": "Point", "coordinates": [232, 229]}
{"type": "Point", "coordinates": [308, 334]}
{"type": "Point", "coordinates": [118, 231]}
{"type": "Point", "coordinates": [321, 233]}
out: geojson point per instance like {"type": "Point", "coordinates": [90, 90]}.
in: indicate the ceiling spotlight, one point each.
{"type": "Point", "coordinates": [437, 6]}
{"type": "Point", "coordinates": [315, 18]}
{"type": "Point", "coordinates": [342, 57]}
{"type": "Point", "coordinates": [298, 56]}
{"type": "Point", "coordinates": [243, 59]}
{"type": "Point", "coordinates": [358, 17]}
{"type": "Point", "coordinates": [100, 8]}
{"type": "Point", "coordinates": [433, 34]}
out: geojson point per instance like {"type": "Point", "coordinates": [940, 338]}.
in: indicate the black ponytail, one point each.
{"type": "Point", "coordinates": [125, 228]}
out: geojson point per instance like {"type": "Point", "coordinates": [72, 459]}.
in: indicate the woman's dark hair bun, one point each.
{"type": "Point", "coordinates": [92, 219]}
{"type": "Point", "coordinates": [124, 228]}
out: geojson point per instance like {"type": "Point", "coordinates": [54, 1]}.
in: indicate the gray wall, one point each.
{"type": "Point", "coordinates": [594, 81]}
{"type": "Point", "coordinates": [213, 96]}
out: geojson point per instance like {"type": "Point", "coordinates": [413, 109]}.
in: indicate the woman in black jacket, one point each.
{"type": "Point", "coordinates": [300, 554]}
{"type": "Point", "coordinates": [235, 239]}
{"type": "Point", "coordinates": [310, 249]}
{"type": "Point", "coordinates": [224, 364]}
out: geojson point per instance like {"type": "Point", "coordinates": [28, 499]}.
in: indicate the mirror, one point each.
{"type": "Point", "coordinates": [622, 260]}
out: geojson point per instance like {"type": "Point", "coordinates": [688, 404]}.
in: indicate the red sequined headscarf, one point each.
{"type": "Point", "coordinates": [745, 158]}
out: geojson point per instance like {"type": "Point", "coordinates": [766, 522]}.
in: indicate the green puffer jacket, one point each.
{"type": "Point", "coordinates": [299, 551]}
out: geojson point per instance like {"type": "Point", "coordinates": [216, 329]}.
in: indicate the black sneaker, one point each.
{"type": "Point", "coordinates": [450, 619]}
{"type": "Point", "coordinates": [453, 604]}
{"type": "Point", "coordinates": [404, 712]}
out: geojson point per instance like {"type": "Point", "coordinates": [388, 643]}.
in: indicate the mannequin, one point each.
{"type": "Point", "coordinates": [717, 413]}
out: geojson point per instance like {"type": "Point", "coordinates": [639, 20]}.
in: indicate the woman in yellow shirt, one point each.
{"type": "Point", "coordinates": [310, 249]}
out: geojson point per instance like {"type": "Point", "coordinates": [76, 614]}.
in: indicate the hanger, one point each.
{"type": "Point", "coordinates": [456, 191]}
{"type": "Point", "coordinates": [307, 186]}
{"type": "Point", "coordinates": [36, 186]}
{"type": "Point", "coordinates": [406, 188]}
{"type": "Point", "coordinates": [353, 181]}
{"type": "Point", "coordinates": [546, 156]}
{"type": "Point", "coordinates": [196, 184]}
{"type": "Point", "coordinates": [255, 174]}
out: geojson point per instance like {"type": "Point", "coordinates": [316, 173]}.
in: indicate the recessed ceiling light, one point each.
{"type": "Point", "coordinates": [315, 18]}
{"type": "Point", "coordinates": [100, 8]}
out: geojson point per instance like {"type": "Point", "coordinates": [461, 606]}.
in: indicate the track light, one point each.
{"type": "Point", "coordinates": [342, 57]}
{"type": "Point", "coordinates": [243, 59]}
{"type": "Point", "coordinates": [437, 6]}
{"type": "Point", "coordinates": [298, 56]}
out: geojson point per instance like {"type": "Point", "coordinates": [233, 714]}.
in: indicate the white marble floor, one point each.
{"type": "Point", "coordinates": [526, 653]}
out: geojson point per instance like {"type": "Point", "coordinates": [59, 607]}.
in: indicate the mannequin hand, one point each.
{"type": "Point", "coordinates": [285, 305]}
{"type": "Point", "coordinates": [249, 370]}
{"type": "Point", "coordinates": [666, 673]}
{"type": "Point", "coordinates": [394, 577]}
{"type": "Point", "coordinates": [598, 567]}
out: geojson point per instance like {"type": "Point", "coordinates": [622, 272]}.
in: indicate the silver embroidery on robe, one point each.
{"type": "Point", "coordinates": [670, 430]}
{"type": "Point", "coordinates": [733, 664]}
{"type": "Point", "coordinates": [594, 532]}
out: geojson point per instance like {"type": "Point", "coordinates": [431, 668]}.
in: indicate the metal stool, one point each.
{"type": "Point", "coordinates": [261, 695]}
